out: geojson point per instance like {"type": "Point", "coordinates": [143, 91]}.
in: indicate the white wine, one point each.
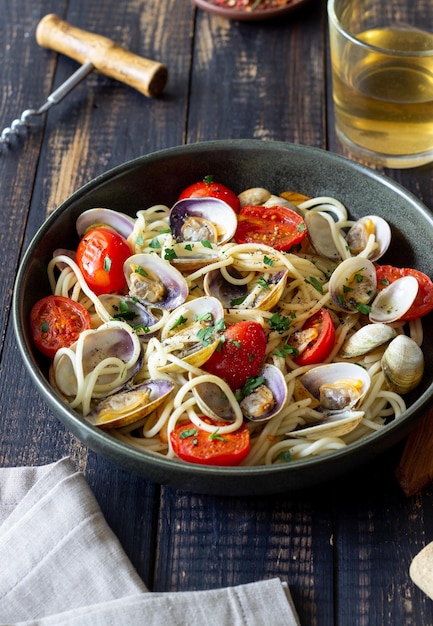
{"type": "Point", "coordinates": [384, 101]}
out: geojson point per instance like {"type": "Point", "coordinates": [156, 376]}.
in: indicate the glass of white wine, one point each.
{"type": "Point", "coordinates": [382, 77]}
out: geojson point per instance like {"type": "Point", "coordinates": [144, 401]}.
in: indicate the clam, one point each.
{"type": "Point", "coordinates": [131, 405]}
{"type": "Point", "coordinates": [193, 331]}
{"type": "Point", "coordinates": [226, 291]}
{"type": "Point", "coordinates": [268, 397]}
{"type": "Point", "coordinates": [154, 281]}
{"type": "Point", "coordinates": [336, 425]}
{"type": "Point", "coordinates": [202, 219]}
{"type": "Point", "coordinates": [106, 218]}
{"type": "Point", "coordinates": [254, 196]}
{"type": "Point", "coordinates": [403, 364]}
{"type": "Point", "coordinates": [338, 388]}
{"type": "Point", "coordinates": [265, 293]}
{"type": "Point", "coordinates": [320, 234]}
{"type": "Point", "coordinates": [128, 310]}
{"type": "Point", "coordinates": [353, 284]}
{"type": "Point", "coordinates": [370, 225]}
{"type": "Point", "coordinates": [262, 400]}
{"type": "Point", "coordinates": [392, 302]}
{"type": "Point", "coordinates": [366, 339]}
{"type": "Point", "coordinates": [113, 343]}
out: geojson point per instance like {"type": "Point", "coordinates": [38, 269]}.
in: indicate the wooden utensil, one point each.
{"type": "Point", "coordinates": [93, 52]}
{"type": "Point", "coordinates": [415, 469]}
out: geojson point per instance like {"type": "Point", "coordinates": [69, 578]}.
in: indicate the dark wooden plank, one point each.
{"type": "Point", "coordinates": [266, 79]}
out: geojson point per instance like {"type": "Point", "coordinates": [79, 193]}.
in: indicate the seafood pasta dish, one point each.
{"type": "Point", "coordinates": [248, 329]}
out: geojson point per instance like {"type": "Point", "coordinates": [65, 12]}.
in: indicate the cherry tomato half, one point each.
{"type": "Point", "coordinates": [56, 322]}
{"type": "Point", "coordinates": [209, 188]}
{"type": "Point", "coordinates": [423, 302]}
{"type": "Point", "coordinates": [100, 256]}
{"type": "Point", "coordinates": [196, 445]}
{"type": "Point", "coordinates": [241, 354]}
{"type": "Point", "coordinates": [319, 331]}
{"type": "Point", "coordinates": [275, 226]}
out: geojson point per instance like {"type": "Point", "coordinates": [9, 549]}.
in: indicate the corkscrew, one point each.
{"type": "Point", "coordinates": [93, 52]}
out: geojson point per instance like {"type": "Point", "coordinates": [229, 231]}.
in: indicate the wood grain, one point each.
{"type": "Point", "coordinates": [343, 547]}
{"type": "Point", "coordinates": [415, 469]}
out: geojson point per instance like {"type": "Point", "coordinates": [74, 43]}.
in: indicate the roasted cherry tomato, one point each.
{"type": "Point", "coordinates": [56, 322]}
{"type": "Point", "coordinates": [100, 256]}
{"type": "Point", "coordinates": [241, 354]}
{"type": "Point", "coordinates": [319, 334]}
{"type": "Point", "coordinates": [196, 445]}
{"type": "Point", "coordinates": [423, 302]}
{"type": "Point", "coordinates": [275, 226]}
{"type": "Point", "coordinates": [209, 188]}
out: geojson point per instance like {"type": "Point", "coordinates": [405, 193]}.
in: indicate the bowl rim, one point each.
{"type": "Point", "coordinates": [99, 440]}
{"type": "Point", "coordinates": [249, 16]}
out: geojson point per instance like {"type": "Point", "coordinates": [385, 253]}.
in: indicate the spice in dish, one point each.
{"type": "Point", "coordinates": [251, 5]}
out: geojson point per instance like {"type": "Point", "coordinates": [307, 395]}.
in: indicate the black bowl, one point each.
{"type": "Point", "coordinates": [240, 164]}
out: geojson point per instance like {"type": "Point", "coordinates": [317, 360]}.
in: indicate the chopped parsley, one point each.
{"type": "Point", "coordinates": [279, 323]}
{"type": "Point", "coordinates": [107, 264]}
{"type": "Point", "coordinates": [190, 432]}
{"type": "Point", "coordinates": [169, 254]}
{"type": "Point", "coordinates": [315, 283]}
{"type": "Point", "coordinates": [263, 283]}
{"type": "Point", "coordinates": [180, 320]}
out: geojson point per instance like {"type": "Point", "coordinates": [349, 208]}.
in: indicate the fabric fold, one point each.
{"type": "Point", "coordinates": [62, 565]}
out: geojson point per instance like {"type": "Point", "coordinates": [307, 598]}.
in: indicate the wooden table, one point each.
{"type": "Point", "coordinates": [344, 548]}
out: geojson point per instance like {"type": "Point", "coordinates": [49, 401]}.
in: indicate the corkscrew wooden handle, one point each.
{"type": "Point", "coordinates": [147, 76]}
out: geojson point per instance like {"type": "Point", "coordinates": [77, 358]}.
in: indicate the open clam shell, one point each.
{"type": "Point", "coordinates": [130, 311]}
{"type": "Point", "coordinates": [192, 332]}
{"type": "Point", "coordinates": [154, 281]}
{"type": "Point", "coordinates": [368, 226]}
{"type": "Point", "coordinates": [114, 343]}
{"type": "Point", "coordinates": [353, 284]}
{"type": "Point", "coordinates": [130, 405]}
{"type": "Point", "coordinates": [198, 219]}
{"type": "Point", "coordinates": [106, 218]}
{"type": "Point", "coordinates": [261, 404]}
{"type": "Point", "coordinates": [268, 399]}
{"type": "Point", "coordinates": [264, 294]}
{"type": "Point", "coordinates": [336, 425]}
{"type": "Point", "coordinates": [392, 302]}
{"type": "Point", "coordinates": [337, 386]}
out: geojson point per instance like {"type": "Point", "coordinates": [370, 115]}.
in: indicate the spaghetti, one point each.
{"type": "Point", "coordinates": [306, 292]}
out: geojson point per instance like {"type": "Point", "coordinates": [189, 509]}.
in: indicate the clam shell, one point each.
{"type": "Point", "coordinates": [403, 364]}
{"type": "Point", "coordinates": [100, 217]}
{"type": "Point", "coordinates": [336, 425]}
{"type": "Point", "coordinates": [130, 311]}
{"type": "Point", "coordinates": [275, 381]}
{"type": "Point", "coordinates": [319, 233]}
{"type": "Point", "coordinates": [171, 284]}
{"type": "Point", "coordinates": [353, 283]}
{"type": "Point", "coordinates": [216, 211]}
{"type": "Point", "coordinates": [182, 326]}
{"type": "Point", "coordinates": [333, 373]}
{"type": "Point", "coordinates": [366, 339]}
{"type": "Point", "coordinates": [214, 284]}
{"type": "Point", "coordinates": [392, 302]}
{"type": "Point", "coordinates": [359, 233]}
{"type": "Point", "coordinates": [131, 405]}
{"type": "Point", "coordinates": [112, 339]}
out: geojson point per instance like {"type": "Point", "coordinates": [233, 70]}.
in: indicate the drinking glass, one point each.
{"type": "Point", "coordinates": [382, 77]}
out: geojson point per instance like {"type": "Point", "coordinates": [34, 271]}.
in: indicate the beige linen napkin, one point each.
{"type": "Point", "coordinates": [60, 564]}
